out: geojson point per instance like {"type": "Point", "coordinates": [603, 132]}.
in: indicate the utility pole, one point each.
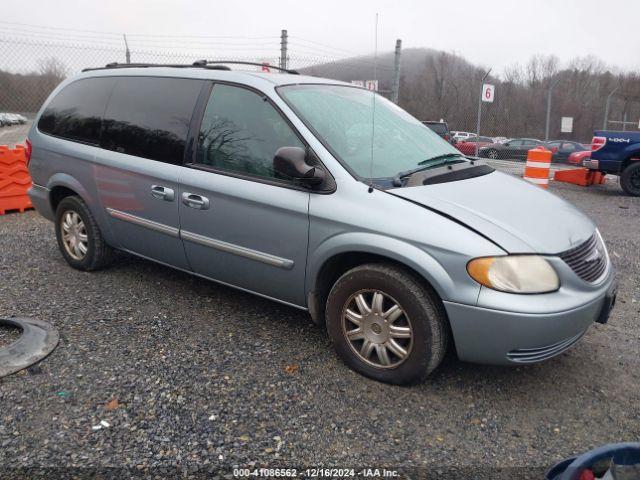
{"type": "Point", "coordinates": [480, 110]}
{"type": "Point", "coordinates": [395, 86]}
{"type": "Point", "coordinates": [127, 53]}
{"type": "Point", "coordinates": [552, 84]}
{"type": "Point", "coordinates": [605, 124]}
{"type": "Point", "coordinates": [283, 49]}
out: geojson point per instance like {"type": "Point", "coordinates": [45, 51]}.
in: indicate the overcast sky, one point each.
{"type": "Point", "coordinates": [493, 33]}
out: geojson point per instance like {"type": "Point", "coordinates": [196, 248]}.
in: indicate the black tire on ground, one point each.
{"type": "Point", "coordinates": [422, 307]}
{"type": "Point", "coordinates": [630, 179]}
{"type": "Point", "coordinates": [494, 154]}
{"type": "Point", "coordinates": [98, 254]}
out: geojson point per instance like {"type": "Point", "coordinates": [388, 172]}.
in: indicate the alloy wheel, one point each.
{"type": "Point", "coordinates": [377, 328]}
{"type": "Point", "coordinates": [74, 235]}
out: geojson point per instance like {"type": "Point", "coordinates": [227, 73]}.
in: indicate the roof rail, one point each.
{"type": "Point", "coordinates": [112, 65]}
{"type": "Point", "coordinates": [205, 63]}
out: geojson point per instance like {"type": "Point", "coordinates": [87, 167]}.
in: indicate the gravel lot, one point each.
{"type": "Point", "coordinates": [194, 375]}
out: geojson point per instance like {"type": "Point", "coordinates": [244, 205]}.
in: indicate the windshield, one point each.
{"type": "Point", "coordinates": [341, 117]}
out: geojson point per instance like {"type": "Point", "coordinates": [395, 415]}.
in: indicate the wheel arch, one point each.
{"type": "Point", "coordinates": [339, 255]}
{"type": "Point", "coordinates": [62, 185]}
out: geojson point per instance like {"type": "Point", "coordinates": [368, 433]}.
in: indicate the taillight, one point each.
{"type": "Point", "coordinates": [597, 143]}
{"type": "Point", "coordinates": [28, 151]}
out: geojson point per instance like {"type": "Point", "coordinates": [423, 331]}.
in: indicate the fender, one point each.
{"type": "Point", "coordinates": [68, 181]}
{"type": "Point", "coordinates": [405, 253]}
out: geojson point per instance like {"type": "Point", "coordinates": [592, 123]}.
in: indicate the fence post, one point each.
{"type": "Point", "coordinates": [283, 49]}
{"type": "Point", "coordinates": [480, 110]}
{"type": "Point", "coordinates": [605, 125]}
{"type": "Point", "coordinates": [395, 87]}
{"type": "Point", "coordinates": [127, 53]}
{"type": "Point", "coordinates": [552, 84]}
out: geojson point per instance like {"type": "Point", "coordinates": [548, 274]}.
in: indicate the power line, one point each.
{"type": "Point", "coordinates": [313, 42]}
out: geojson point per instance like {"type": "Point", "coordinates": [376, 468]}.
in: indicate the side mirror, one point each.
{"type": "Point", "coordinates": [292, 162]}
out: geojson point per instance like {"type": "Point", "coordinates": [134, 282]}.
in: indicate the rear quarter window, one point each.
{"type": "Point", "coordinates": [149, 117]}
{"type": "Point", "coordinates": [75, 113]}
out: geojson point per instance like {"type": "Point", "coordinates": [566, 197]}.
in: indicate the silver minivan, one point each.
{"type": "Point", "coordinates": [323, 196]}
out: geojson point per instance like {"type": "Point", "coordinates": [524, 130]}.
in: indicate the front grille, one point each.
{"type": "Point", "coordinates": [532, 355]}
{"type": "Point", "coordinates": [588, 260]}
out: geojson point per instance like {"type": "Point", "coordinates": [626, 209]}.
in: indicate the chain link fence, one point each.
{"type": "Point", "coordinates": [436, 87]}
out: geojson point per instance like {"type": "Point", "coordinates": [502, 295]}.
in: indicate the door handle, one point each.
{"type": "Point", "coordinates": [162, 193]}
{"type": "Point", "coordinates": [195, 201]}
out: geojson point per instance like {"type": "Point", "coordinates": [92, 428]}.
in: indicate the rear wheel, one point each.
{"type": "Point", "coordinates": [79, 237]}
{"type": "Point", "coordinates": [493, 154]}
{"type": "Point", "coordinates": [630, 179]}
{"type": "Point", "coordinates": [385, 324]}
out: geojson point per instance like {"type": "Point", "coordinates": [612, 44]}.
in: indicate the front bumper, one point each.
{"type": "Point", "coordinates": [483, 335]}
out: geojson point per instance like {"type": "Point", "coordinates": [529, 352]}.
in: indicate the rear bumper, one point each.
{"type": "Point", "coordinates": [499, 337]}
{"type": "Point", "coordinates": [40, 199]}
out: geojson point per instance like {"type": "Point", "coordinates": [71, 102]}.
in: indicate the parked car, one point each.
{"type": "Point", "coordinates": [578, 158]}
{"type": "Point", "coordinates": [617, 153]}
{"type": "Point", "coordinates": [397, 243]}
{"type": "Point", "coordinates": [500, 139]}
{"type": "Point", "coordinates": [468, 147]}
{"type": "Point", "coordinates": [6, 119]}
{"type": "Point", "coordinates": [516, 148]}
{"type": "Point", "coordinates": [441, 128]}
{"type": "Point", "coordinates": [563, 148]}
{"type": "Point", "coordinates": [12, 119]}
{"type": "Point", "coordinates": [461, 136]}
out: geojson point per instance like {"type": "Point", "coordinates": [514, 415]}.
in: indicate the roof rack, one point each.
{"type": "Point", "coordinates": [213, 63]}
{"type": "Point", "coordinates": [156, 65]}
{"type": "Point", "coordinates": [209, 64]}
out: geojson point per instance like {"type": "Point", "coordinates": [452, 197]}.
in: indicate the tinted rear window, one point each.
{"type": "Point", "coordinates": [75, 113]}
{"type": "Point", "coordinates": [437, 127]}
{"type": "Point", "coordinates": [149, 117]}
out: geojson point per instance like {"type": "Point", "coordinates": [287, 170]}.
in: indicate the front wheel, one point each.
{"type": "Point", "coordinates": [386, 325]}
{"type": "Point", "coordinates": [630, 179]}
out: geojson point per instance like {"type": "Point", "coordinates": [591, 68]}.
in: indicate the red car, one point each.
{"type": "Point", "coordinates": [576, 158]}
{"type": "Point", "coordinates": [468, 146]}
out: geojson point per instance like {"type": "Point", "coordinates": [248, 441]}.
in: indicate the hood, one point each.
{"type": "Point", "coordinates": [518, 216]}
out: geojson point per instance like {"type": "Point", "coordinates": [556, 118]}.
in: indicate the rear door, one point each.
{"type": "Point", "coordinates": [143, 140]}
{"type": "Point", "coordinates": [241, 223]}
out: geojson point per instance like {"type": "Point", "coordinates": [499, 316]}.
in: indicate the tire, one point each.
{"type": "Point", "coordinates": [493, 154]}
{"type": "Point", "coordinates": [74, 218]}
{"type": "Point", "coordinates": [630, 179]}
{"type": "Point", "coordinates": [422, 318]}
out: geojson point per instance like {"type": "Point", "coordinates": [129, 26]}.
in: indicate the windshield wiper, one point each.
{"type": "Point", "coordinates": [444, 156]}
{"type": "Point", "coordinates": [424, 165]}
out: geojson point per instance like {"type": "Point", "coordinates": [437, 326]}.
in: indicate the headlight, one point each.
{"type": "Point", "coordinates": [515, 274]}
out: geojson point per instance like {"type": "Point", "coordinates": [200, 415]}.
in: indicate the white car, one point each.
{"type": "Point", "coordinates": [461, 136]}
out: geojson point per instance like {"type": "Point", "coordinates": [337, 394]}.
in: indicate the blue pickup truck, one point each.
{"type": "Point", "coordinates": [617, 153]}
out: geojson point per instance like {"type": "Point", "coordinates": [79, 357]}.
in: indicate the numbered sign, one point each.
{"type": "Point", "coordinates": [566, 124]}
{"type": "Point", "coordinates": [488, 92]}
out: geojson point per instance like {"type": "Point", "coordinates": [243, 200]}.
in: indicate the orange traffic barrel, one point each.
{"type": "Point", "coordinates": [538, 166]}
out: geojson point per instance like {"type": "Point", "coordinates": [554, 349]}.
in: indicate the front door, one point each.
{"type": "Point", "coordinates": [143, 139]}
{"type": "Point", "coordinates": [241, 223]}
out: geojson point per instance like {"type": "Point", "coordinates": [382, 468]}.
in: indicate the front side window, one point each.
{"type": "Point", "coordinates": [241, 132]}
{"type": "Point", "coordinates": [75, 113]}
{"type": "Point", "coordinates": [368, 133]}
{"type": "Point", "coordinates": [149, 117]}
